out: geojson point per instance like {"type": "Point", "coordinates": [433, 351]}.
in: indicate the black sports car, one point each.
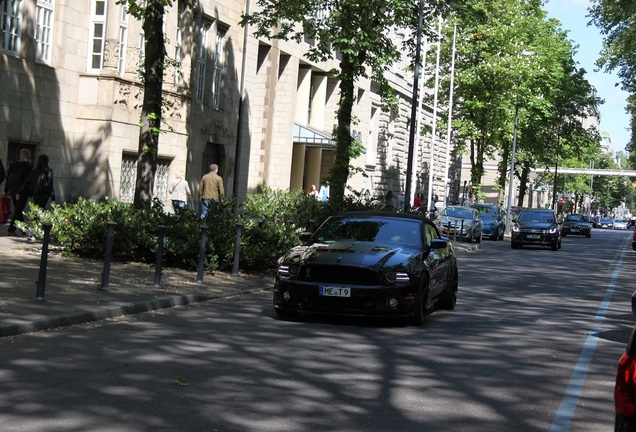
{"type": "Point", "coordinates": [369, 264]}
{"type": "Point", "coordinates": [536, 227]}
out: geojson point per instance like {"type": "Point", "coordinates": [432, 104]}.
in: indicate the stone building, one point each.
{"type": "Point", "coordinates": [70, 87]}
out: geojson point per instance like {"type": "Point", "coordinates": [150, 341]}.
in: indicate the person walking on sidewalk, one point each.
{"type": "Point", "coordinates": [179, 192]}
{"type": "Point", "coordinates": [210, 189]}
{"type": "Point", "coordinates": [39, 184]}
{"type": "Point", "coordinates": [18, 172]}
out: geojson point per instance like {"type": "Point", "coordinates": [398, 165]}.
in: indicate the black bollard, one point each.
{"type": "Point", "coordinates": [162, 234]}
{"type": "Point", "coordinates": [41, 283]}
{"type": "Point", "coordinates": [110, 229]}
{"type": "Point", "coordinates": [202, 248]}
{"type": "Point", "coordinates": [237, 249]}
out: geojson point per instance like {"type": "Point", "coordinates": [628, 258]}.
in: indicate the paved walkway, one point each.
{"type": "Point", "coordinates": [74, 290]}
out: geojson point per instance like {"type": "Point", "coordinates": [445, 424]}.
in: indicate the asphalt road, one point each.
{"type": "Point", "coordinates": [532, 346]}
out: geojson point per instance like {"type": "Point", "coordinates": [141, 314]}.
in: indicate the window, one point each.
{"type": "Point", "coordinates": [217, 68]}
{"type": "Point", "coordinates": [123, 41]}
{"type": "Point", "coordinates": [97, 35]}
{"type": "Point", "coordinates": [128, 179]}
{"type": "Point", "coordinates": [11, 25]}
{"type": "Point", "coordinates": [202, 55]}
{"type": "Point", "coordinates": [44, 29]}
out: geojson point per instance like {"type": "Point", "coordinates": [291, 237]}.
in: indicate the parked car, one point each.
{"type": "Point", "coordinates": [605, 223]}
{"type": "Point", "coordinates": [462, 222]}
{"type": "Point", "coordinates": [625, 387]}
{"type": "Point", "coordinates": [493, 220]}
{"type": "Point", "coordinates": [536, 227]}
{"type": "Point", "coordinates": [619, 224]}
{"type": "Point", "coordinates": [377, 264]}
{"type": "Point", "coordinates": [578, 224]}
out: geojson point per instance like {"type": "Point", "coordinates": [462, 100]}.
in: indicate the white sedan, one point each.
{"type": "Point", "coordinates": [620, 224]}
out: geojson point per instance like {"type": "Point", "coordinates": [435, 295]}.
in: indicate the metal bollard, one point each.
{"type": "Point", "coordinates": [162, 234]}
{"type": "Point", "coordinates": [202, 248]}
{"type": "Point", "coordinates": [110, 230]}
{"type": "Point", "coordinates": [461, 233]}
{"type": "Point", "coordinates": [237, 249]}
{"type": "Point", "coordinates": [41, 283]}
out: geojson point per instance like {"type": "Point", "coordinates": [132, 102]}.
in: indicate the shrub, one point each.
{"type": "Point", "coordinates": [271, 221]}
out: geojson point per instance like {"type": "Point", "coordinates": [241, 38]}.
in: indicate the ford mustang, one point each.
{"type": "Point", "coordinates": [378, 264]}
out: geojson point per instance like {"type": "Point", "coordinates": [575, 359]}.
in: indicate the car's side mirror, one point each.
{"type": "Point", "coordinates": [304, 236]}
{"type": "Point", "coordinates": [439, 244]}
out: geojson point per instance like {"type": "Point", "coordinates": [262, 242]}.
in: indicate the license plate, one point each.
{"type": "Point", "coordinates": [329, 291]}
{"type": "Point", "coordinates": [534, 236]}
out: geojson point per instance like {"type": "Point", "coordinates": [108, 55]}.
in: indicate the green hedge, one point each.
{"type": "Point", "coordinates": [270, 221]}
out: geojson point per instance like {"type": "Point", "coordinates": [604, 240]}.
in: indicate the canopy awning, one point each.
{"type": "Point", "coordinates": [312, 137]}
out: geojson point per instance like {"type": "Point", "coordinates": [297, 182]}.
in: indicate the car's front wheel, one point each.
{"type": "Point", "coordinates": [420, 306]}
{"type": "Point", "coordinates": [448, 299]}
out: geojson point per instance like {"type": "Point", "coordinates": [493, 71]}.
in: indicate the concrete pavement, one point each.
{"type": "Point", "coordinates": [75, 292]}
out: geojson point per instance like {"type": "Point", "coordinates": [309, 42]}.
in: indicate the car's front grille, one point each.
{"type": "Point", "coordinates": [340, 274]}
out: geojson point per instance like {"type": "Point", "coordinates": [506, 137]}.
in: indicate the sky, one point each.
{"type": "Point", "coordinates": [573, 17]}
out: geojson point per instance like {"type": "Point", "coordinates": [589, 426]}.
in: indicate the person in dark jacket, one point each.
{"type": "Point", "coordinates": [39, 184]}
{"type": "Point", "coordinates": [18, 172]}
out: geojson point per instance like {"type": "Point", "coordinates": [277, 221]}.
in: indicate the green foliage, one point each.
{"type": "Point", "coordinates": [271, 221]}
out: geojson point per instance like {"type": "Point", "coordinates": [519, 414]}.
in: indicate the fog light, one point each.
{"type": "Point", "coordinates": [392, 303]}
{"type": "Point", "coordinates": [286, 295]}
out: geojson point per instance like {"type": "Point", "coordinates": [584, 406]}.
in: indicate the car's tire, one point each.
{"type": "Point", "coordinates": [559, 244]}
{"type": "Point", "coordinates": [471, 238]}
{"type": "Point", "coordinates": [588, 235]}
{"type": "Point", "coordinates": [478, 239]}
{"type": "Point", "coordinates": [285, 313]}
{"type": "Point", "coordinates": [420, 306]}
{"type": "Point", "coordinates": [501, 236]}
{"type": "Point", "coordinates": [554, 246]}
{"type": "Point", "coordinates": [515, 245]}
{"type": "Point", "coordinates": [448, 299]}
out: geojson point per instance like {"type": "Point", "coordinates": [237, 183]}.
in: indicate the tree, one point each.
{"type": "Point", "coordinates": [358, 30]}
{"type": "Point", "coordinates": [615, 20]}
{"type": "Point", "coordinates": [151, 14]}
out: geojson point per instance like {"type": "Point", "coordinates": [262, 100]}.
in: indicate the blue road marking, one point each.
{"type": "Point", "coordinates": [565, 413]}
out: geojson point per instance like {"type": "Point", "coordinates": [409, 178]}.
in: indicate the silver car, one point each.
{"type": "Point", "coordinates": [461, 223]}
{"type": "Point", "coordinates": [620, 224]}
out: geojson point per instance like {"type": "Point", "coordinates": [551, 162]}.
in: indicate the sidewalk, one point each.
{"type": "Point", "coordinates": [73, 291]}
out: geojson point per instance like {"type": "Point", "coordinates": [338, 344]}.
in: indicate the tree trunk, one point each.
{"type": "Point", "coordinates": [340, 170]}
{"type": "Point", "coordinates": [152, 102]}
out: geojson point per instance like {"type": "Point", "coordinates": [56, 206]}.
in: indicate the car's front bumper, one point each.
{"type": "Point", "coordinates": [300, 296]}
{"type": "Point", "coordinates": [576, 230]}
{"type": "Point", "coordinates": [533, 238]}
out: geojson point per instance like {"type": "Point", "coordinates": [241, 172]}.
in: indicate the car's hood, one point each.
{"type": "Point", "coordinates": [536, 225]}
{"type": "Point", "coordinates": [454, 220]}
{"type": "Point", "coordinates": [349, 253]}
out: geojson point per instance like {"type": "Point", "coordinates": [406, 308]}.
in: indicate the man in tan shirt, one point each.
{"type": "Point", "coordinates": [210, 189]}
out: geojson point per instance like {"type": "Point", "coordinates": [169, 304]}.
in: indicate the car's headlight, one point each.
{"type": "Point", "coordinates": [397, 277]}
{"type": "Point", "coordinates": [287, 270]}
{"type": "Point", "coordinates": [516, 228]}
{"type": "Point", "coordinates": [553, 230]}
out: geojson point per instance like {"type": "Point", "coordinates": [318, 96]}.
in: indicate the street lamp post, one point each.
{"type": "Point", "coordinates": [512, 167]}
{"type": "Point", "coordinates": [511, 183]}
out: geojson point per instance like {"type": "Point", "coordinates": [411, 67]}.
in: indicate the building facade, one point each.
{"type": "Point", "coordinates": [71, 87]}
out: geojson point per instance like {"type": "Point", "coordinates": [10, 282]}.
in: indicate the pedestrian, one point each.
{"type": "Point", "coordinates": [179, 192]}
{"type": "Point", "coordinates": [17, 174]}
{"type": "Point", "coordinates": [210, 189]}
{"type": "Point", "coordinates": [313, 192]}
{"type": "Point", "coordinates": [466, 202]}
{"type": "Point", "coordinates": [432, 208]}
{"type": "Point", "coordinates": [38, 185]}
{"type": "Point", "coordinates": [417, 201]}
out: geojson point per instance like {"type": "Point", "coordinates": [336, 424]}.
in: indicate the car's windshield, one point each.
{"type": "Point", "coordinates": [388, 231]}
{"type": "Point", "coordinates": [536, 216]}
{"type": "Point", "coordinates": [605, 220]}
{"type": "Point", "coordinates": [576, 218]}
{"type": "Point", "coordinates": [458, 212]}
{"type": "Point", "coordinates": [486, 211]}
